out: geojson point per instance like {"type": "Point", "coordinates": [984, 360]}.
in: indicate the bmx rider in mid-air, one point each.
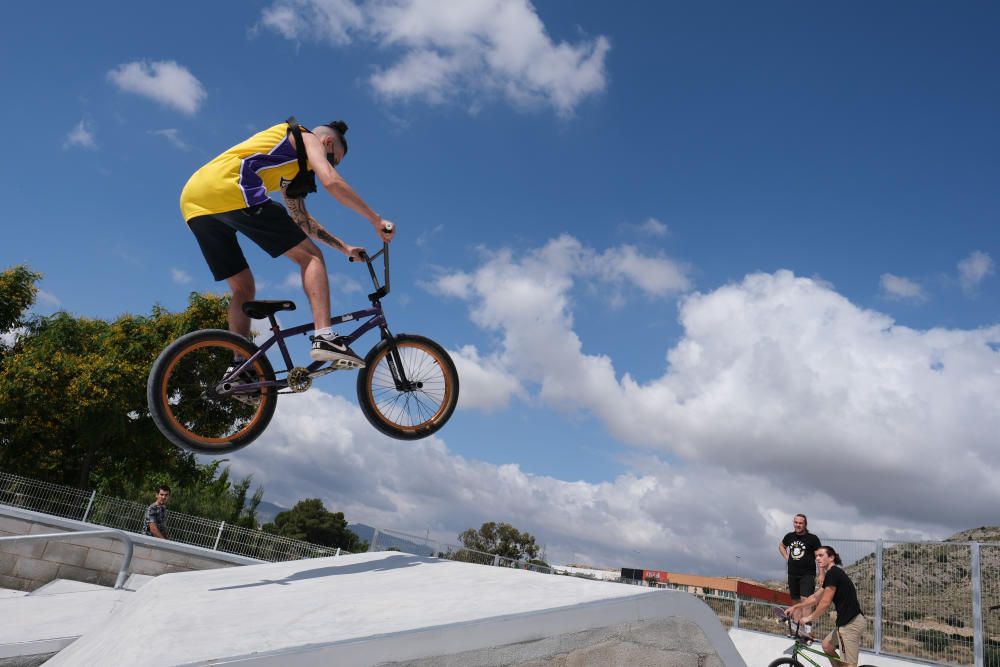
{"type": "Point", "coordinates": [229, 194]}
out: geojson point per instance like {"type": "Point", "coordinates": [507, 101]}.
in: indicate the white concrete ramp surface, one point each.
{"type": "Point", "coordinates": [759, 650]}
{"type": "Point", "coordinates": [394, 608]}
{"type": "Point", "coordinates": [52, 617]}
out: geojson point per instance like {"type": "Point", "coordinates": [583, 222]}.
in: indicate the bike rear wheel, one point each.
{"type": "Point", "coordinates": [786, 661]}
{"type": "Point", "coordinates": [185, 400]}
{"type": "Point", "coordinates": [421, 408]}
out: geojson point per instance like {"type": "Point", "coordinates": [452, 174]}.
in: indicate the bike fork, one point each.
{"type": "Point", "coordinates": [395, 362]}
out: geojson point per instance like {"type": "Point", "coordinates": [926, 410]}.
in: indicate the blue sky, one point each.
{"type": "Point", "coordinates": [703, 265]}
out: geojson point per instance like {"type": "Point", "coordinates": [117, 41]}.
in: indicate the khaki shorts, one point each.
{"type": "Point", "coordinates": [848, 638]}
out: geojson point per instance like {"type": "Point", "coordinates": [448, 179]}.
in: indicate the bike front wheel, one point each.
{"type": "Point", "coordinates": [194, 408]}
{"type": "Point", "coordinates": [791, 662]}
{"type": "Point", "coordinates": [420, 407]}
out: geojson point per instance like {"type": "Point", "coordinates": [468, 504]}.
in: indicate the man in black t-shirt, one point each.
{"type": "Point", "coordinates": [839, 590]}
{"type": "Point", "coordinates": [798, 548]}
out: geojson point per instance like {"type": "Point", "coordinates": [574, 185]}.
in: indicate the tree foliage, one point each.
{"type": "Point", "coordinates": [209, 492]}
{"type": "Point", "coordinates": [309, 520]}
{"type": "Point", "coordinates": [17, 294]}
{"type": "Point", "coordinates": [501, 539]}
{"type": "Point", "coordinates": [73, 391]}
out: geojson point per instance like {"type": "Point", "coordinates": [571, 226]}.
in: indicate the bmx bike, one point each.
{"type": "Point", "coordinates": [214, 392]}
{"type": "Point", "coordinates": [802, 648]}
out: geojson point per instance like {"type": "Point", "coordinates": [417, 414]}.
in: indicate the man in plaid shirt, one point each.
{"type": "Point", "coordinates": [155, 523]}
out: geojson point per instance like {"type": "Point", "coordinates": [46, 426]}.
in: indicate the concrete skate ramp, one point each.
{"type": "Point", "coordinates": [393, 608]}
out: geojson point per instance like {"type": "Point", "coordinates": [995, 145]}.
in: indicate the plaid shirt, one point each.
{"type": "Point", "coordinates": [156, 514]}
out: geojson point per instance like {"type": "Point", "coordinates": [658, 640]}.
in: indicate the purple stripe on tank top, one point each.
{"type": "Point", "coordinates": [254, 191]}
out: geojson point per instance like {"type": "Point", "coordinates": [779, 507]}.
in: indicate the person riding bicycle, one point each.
{"type": "Point", "coordinates": [837, 588]}
{"type": "Point", "coordinates": [229, 194]}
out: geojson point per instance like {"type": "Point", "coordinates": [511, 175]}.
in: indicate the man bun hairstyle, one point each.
{"type": "Point", "coordinates": [832, 553]}
{"type": "Point", "coordinates": [340, 127]}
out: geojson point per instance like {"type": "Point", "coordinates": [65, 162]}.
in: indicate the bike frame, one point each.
{"type": "Point", "coordinates": [801, 648]}
{"type": "Point", "coordinates": [375, 318]}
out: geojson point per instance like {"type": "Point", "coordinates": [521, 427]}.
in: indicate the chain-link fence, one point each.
{"type": "Point", "coordinates": [101, 510]}
{"type": "Point", "coordinates": [936, 601]}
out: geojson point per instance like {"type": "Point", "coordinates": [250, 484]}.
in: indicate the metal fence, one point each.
{"type": "Point", "coordinates": [98, 509]}
{"type": "Point", "coordinates": [936, 601]}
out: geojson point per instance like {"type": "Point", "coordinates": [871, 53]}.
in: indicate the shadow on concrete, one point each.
{"type": "Point", "coordinates": [381, 565]}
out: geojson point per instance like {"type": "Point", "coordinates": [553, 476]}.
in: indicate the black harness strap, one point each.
{"type": "Point", "coordinates": [304, 181]}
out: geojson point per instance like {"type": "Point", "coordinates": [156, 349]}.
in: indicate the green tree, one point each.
{"type": "Point", "coordinates": [310, 521]}
{"type": "Point", "coordinates": [17, 294]}
{"type": "Point", "coordinates": [73, 391]}
{"type": "Point", "coordinates": [500, 539]}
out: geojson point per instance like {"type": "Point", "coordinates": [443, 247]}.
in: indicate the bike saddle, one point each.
{"type": "Point", "coordinates": [260, 310]}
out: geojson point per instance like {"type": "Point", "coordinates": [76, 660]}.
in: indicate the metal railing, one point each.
{"type": "Point", "coordinates": [928, 600]}
{"type": "Point", "coordinates": [125, 515]}
{"type": "Point", "coordinates": [103, 532]}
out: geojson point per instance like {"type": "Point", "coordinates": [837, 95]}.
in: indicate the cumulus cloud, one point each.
{"type": "Point", "coordinates": [780, 396]}
{"type": "Point", "coordinates": [486, 383]}
{"type": "Point", "coordinates": [770, 372]}
{"type": "Point", "coordinates": [898, 287]}
{"type": "Point", "coordinates": [974, 269]}
{"type": "Point", "coordinates": [165, 82]}
{"type": "Point", "coordinates": [686, 518]}
{"type": "Point", "coordinates": [81, 136]}
{"type": "Point", "coordinates": [180, 276]}
{"type": "Point", "coordinates": [446, 51]}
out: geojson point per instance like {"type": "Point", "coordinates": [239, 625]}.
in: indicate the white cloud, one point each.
{"type": "Point", "coordinates": [81, 136]}
{"type": "Point", "coordinates": [653, 227]}
{"type": "Point", "coordinates": [772, 374]}
{"type": "Point", "coordinates": [469, 50]}
{"type": "Point", "coordinates": [165, 82]}
{"type": "Point", "coordinates": [180, 276]}
{"type": "Point", "coordinates": [485, 383]}
{"type": "Point", "coordinates": [898, 287]}
{"type": "Point", "coordinates": [48, 298]}
{"type": "Point", "coordinates": [687, 518]}
{"type": "Point", "coordinates": [974, 269]}
{"type": "Point", "coordinates": [781, 396]}
{"type": "Point", "coordinates": [174, 137]}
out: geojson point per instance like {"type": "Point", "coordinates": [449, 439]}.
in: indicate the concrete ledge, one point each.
{"type": "Point", "coordinates": [26, 566]}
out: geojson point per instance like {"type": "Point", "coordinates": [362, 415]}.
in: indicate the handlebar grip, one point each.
{"type": "Point", "coordinates": [388, 227]}
{"type": "Point", "coordinates": [364, 256]}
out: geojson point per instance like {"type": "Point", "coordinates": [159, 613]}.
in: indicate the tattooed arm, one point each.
{"type": "Point", "coordinates": [297, 210]}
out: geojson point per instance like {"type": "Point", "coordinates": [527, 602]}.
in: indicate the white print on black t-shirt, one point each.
{"type": "Point", "coordinates": [796, 550]}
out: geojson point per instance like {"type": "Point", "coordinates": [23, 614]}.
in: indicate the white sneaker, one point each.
{"type": "Point", "coordinates": [331, 347]}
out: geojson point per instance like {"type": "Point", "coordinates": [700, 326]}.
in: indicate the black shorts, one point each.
{"type": "Point", "coordinates": [268, 225]}
{"type": "Point", "coordinates": [801, 585]}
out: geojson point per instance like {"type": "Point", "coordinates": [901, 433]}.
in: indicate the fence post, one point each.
{"type": "Point", "coordinates": [977, 606]}
{"type": "Point", "coordinates": [90, 503]}
{"type": "Point", "coordinates": [219, 536]}
{"type": "Point", "coordinates": [736, 613]}
{"type": "Point", "coordinates": [496, 560]}
{"type": "Point", "coordinates": [371, 547]}
{"type": "Point", "coordinates": [877, 648]}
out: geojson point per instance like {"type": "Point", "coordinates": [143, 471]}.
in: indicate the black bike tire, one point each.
{"type": "Point", "coordinates": [162, 415]}
{"type": "Point", "coordinates": [369, 405]}
{"type": "Point", "coordinates": [786, 661]}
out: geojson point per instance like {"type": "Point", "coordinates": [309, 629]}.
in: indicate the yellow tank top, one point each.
{"type": "Point", "coordinates": [241, 176]}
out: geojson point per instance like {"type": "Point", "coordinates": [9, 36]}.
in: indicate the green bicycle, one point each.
{"type": "Point", "coordinates": [802, 647]}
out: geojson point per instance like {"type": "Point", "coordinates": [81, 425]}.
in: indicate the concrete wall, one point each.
{"type": "Point", "coordinates": [28, 565]}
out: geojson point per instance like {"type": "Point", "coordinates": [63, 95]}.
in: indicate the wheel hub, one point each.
{"type": "Point", "coordinates": [299, 379]}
